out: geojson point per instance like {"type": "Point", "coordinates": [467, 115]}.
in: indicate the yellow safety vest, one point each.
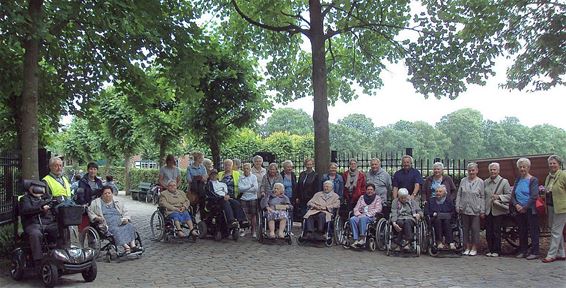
{"type": "Point", "coordinates": [56, 188]}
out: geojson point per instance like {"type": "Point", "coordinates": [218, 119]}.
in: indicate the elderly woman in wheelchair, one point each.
{"type": "Point", "coordinates": [176, 207]}
{"type": "Point", "coordinates": [111, 219]}
{"type": "Point", "coordinates": [322, 210]}
{"type": "Point", "coordinates": [364, 214]}
{"type": "Point", "coordinates": [440, 211]}
{"type": "Point", "coordinates": [405, 215]}
{"type": "Point", "coordinates": [277, 206]}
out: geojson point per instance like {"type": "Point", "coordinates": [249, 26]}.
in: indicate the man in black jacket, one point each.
{"type": "Point", "coordinates": [37, 217]}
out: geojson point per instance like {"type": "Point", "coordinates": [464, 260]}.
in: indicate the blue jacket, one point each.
{"type": "Point", "coordinates": [446, 207]}
{"type": "Point", "coordinates": [88, 195]}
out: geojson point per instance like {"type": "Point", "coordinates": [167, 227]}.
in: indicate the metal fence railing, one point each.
{"type": "Point", "coordinates": [9, 184]}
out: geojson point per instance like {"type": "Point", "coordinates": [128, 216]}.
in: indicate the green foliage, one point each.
{"type": "Point", "coordinates": [229, 98]}
{"type": "Point", "coordinates": [464, 128]}
{"type": "Point", "coordinates": [294, 121]}
{"type": "Point", "coordinates": [6, 240]}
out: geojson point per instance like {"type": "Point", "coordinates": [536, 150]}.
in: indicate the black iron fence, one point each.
{"type": "Point", "coordinates": [9, 184]}
{"type": "Point", "coordinates": [391, 162]}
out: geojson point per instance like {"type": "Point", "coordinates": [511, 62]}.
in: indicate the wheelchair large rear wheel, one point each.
{"type": "Point", "coordinates": [138, 240]}
{"type": "Point", "coordinates": [338, 234]}
{"type": "Point", "coordinates": [157, 225]}
{"type": "Point", "coordinates": [380, 234]}
{"type": "Point", "coordinates": [89, 238]}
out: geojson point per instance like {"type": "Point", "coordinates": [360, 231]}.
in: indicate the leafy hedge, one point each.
{"type": "Point", "coordinates": [136, 175]}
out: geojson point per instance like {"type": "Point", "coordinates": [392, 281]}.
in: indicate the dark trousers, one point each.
{"type": "Point", "coordinates": [528, 224]}
{"type": "Point", "coordinates": [319, 219]}
{"type": "Point", "coordinates": [232, 209]}
{"type": "Point", "coordinates": [493, 233]}
{"type": "Point", "coordinates": [35, 235]}
{"type": "Point", "coordinates": [442, 228]}
{"type": "Point", "coordinates": [407, 229]}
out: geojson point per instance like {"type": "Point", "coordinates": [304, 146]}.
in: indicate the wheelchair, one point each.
{"type": "Point", "coordinates": [214, 223]}
{"type": "Point", "coordinates": [263, 230]}
{"type": "Point", "coordinates": [163, 228]}
{"type": "Point", "coordinates": [374, 233]}
{"type": "Point", "coordinates": [457, 232]}
{"type": "Point", "coordinates": [58, 258]}
{"type": "Point", "coordinates": [331, 234]}
{"type": "Point", "coordinates": [103, 244]}
{"type": "Point", "coordinates": [415, 245]}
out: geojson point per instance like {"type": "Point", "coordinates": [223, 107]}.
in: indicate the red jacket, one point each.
{"type": "Point", "coordinates": [360, 189]}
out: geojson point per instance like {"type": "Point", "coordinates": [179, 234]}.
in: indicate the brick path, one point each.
{"type": "Point", "coordinates": [247, 263]}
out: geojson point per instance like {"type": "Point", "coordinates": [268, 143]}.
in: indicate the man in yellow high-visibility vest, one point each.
{"type": "Point", "coordinates": [57, 184]}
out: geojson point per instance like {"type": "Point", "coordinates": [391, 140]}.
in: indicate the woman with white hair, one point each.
{"type": "Point", "coordinates": [438, 178]}
{"type": "Point", "coordinates": [277, 204]}
{"type": "Point", "coordinates": [556, 201]}
{"type": "Point", "coordinates": [470, 204]}
{"type": "Point", "coordinates": [405, 212]}
{"type": "Point", "coordinates": [321, 207]}
{"type": "Point", "coordinates": [523, 197]}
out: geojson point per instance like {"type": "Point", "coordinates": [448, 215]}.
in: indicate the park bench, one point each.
{"type": "Point", "coordinates": [141, 192]}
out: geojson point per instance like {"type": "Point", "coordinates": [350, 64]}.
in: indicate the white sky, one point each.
{"type": "Point", "coordinates": [398, 100]}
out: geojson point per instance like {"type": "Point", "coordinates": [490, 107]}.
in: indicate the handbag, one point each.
{"type": "Point", "coordinates": [540, 205]}
{"type": "Point", "coordinates": [498, 203]}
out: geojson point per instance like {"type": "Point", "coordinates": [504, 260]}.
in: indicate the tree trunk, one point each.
{"type": "Point", "coordinates": [320, 113]}
{"type": "Point", "coordinates": [215, 150]}
{"type": "Point", "coordinates": [29, 127]}
{"type": "Point", "coordinates": [127, 183]}
{"type": "Point", "coordinates": [162, 152]}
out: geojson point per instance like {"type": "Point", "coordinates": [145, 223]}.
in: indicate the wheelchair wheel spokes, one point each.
{"type": "Point", "coordinates": [89, 238]}
{"type": "Point", "coordinates": [157, 224]}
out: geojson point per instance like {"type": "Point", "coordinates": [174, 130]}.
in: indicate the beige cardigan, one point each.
{"type": "Point", "coordinates": [95, 209]}
{"type": "Point", "coordinates": [171, 202]}
{"type": "Point", "coordinates": [328, 205]}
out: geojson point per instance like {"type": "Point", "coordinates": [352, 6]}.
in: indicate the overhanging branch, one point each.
{"type": "Point", "coordinates": [291, 28]}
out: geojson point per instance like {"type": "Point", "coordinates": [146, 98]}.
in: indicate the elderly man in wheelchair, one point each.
{"type": "Point", "coordinates": [405, 215]}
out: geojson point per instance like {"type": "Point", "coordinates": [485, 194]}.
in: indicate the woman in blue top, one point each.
{"type": "Point", "coordinates": [523, 197]}
{"type": "Point", "coordinates": [336, 178]}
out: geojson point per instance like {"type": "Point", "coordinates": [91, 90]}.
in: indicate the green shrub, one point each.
{"type": "Point", "coordinates": [6, 239]}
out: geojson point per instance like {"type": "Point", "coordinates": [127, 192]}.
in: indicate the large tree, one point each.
{"type": "Point", "coordinates": [85, 45]}
{"type": "Point", "coordinates": [350, 42]}
{"type": "Point", "coordinates": [294, 121]}
{"type": "Point", "coordinates": [228, 98]}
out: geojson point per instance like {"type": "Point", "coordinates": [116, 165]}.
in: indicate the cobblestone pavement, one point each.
{"type": "Point", "coordinates": [247, 263]}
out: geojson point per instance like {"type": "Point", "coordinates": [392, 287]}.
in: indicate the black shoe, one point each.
{"type": "Point", "coordinates": [235, 224]}
{"type": "Point", "coordinates": [244, 224]}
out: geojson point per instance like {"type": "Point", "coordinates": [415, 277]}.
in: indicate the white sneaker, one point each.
{"type": "Point", "coordinates": [440, 246]}
{"type": "Point", "coordinates": [254, 235]}
{"type": "Point", "coordinates": [452, 246]}
{"type": "Point", "coordinates": [362, 242]}
{"type": "Point", "coordinates": [466, 252]}
{"type": "Point", "coordinates": [242, 233]}
{"type": "Point", "coordinates": [356, 243]}
{"type": "Point", "coordinates": [489, 254]}
{"type": "Point", "coordinates": [473, 253]}
{"type": "Point", "coordinates": [494, 255]}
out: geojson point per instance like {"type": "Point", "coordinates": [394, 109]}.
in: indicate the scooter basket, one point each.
{"type": "Point", "coordinates": [70, 215]}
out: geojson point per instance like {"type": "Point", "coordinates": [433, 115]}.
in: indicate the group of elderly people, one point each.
{"type": "Point", "coordinates": [315, 198]}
